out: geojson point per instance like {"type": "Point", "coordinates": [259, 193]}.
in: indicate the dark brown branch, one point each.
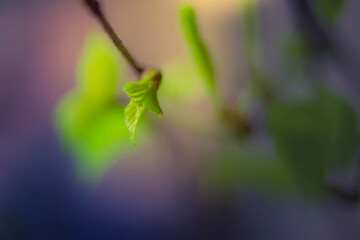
{"type": "Point", "coordinates": [95, 8]}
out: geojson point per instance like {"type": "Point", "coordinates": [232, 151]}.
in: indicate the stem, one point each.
{"type": "Point", "coordinates": [95, 8]}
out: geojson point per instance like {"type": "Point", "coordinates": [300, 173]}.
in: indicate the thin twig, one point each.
{"type": "Point", "coordinates": [95, 8]}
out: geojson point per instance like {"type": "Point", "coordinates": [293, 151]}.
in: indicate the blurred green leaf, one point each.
{"type": "Point", "coordinates": [313, 136]}
{"type": "Point", "coordinates": [89, 121]}
{"type": "Point", "coordinates": [98, 72]}
{"type": "Point", "coordinates": [329, 10]}
{"type": "Point", "coordinates": [143, 96]}
{"type": "Point", "coordinates": [250, 168]}
{"type": "Point", "coordinates": [180, 75]}
{"type": "Point", "coordinates": [198, 47]}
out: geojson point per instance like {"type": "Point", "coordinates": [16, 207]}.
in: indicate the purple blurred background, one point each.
{"type": "Point", "coordinates": [152, 197]}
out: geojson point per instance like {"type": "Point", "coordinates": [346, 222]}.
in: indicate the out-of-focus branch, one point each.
{"type": "Point", "coordinates": [322, 41]}
{"type": "Point", "coordinates": [346, 196]}
{"type": "Point", "coordinates": [309, 25]}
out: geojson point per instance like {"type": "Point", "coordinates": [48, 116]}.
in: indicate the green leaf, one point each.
{"type": "Point", "coordinates": [143, 96]}
{"type": "Point", "coordinates": [105, 139]}
{"type": "Point", "coordinates": [179, 75]}
{"type": "Point", "coordinates": [198, 47]}
{"type": "Point", "coordinates": [132, 115]}
{"type": "Point", "coordinates": [329, 10]}
{"type": "Point", "coordinates": [88, 120]}
{"type": "Point", "coordinates": [98, 72]}
{"type": "Point", "coordinates": [95, 143]}
{"type": "Point", "coordinates": [314, 136]}
{"type": "Point", "coordinates": [251, 167]}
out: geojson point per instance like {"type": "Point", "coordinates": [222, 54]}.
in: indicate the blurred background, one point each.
{"type": "Point", "coordinates": [277, 157]}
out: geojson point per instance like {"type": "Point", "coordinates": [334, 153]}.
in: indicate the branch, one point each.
{"type": "Point", "coordinates": [95, 8]}
{"type": "Point", "coordinates": [350, 197]}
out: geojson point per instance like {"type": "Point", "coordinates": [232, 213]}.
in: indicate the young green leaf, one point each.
{"type": "Point", "coordinates": [132, 116]}
{"type": "Point", "coordinates": [198, 47]}
{"type": "Point", "coordinates": [143, 96]}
